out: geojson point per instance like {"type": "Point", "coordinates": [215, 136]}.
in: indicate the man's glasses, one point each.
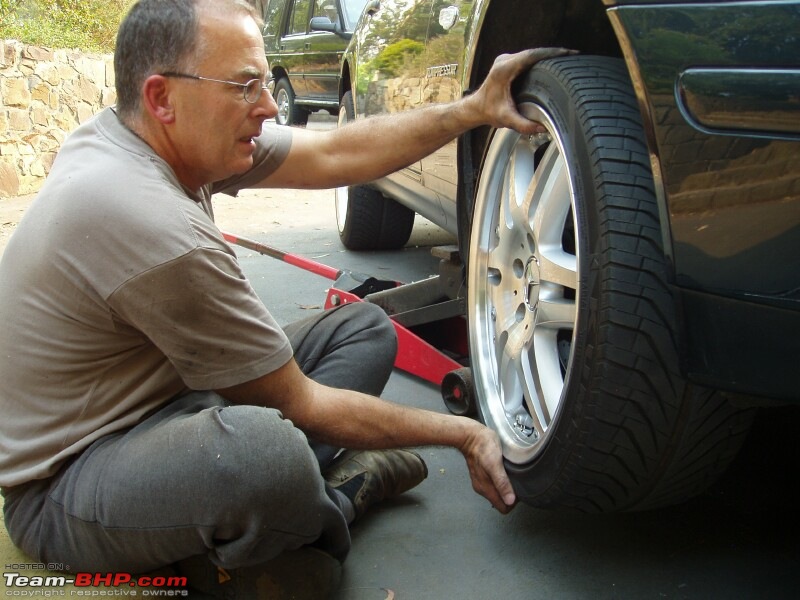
{"type": "Point", "coordinates": [252, 89]}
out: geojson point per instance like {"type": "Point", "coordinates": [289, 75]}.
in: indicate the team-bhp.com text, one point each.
{"type": "Point", "coordinates": [93, 585]}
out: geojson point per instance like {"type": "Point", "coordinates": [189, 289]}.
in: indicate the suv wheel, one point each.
{"type": "Point", "coordinates": [368, 220]}
{"type": "Point", "coordinates": [573, 333]}
{"type": "Point", "coordinates": [288, 112]}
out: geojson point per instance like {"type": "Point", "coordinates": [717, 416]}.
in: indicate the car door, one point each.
{"type": "Point", "coordinates": [293, 43]}
{"type": "Point", "coordinates": [443, 61]}
{"type": "Point", "coordinates": [323, 54]}
{"type": "Point", "coordinates": [391, 39]}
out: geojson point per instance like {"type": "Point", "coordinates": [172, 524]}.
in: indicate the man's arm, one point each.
{"type": "Point", "coordinates": [368, 149]}
{"type": "Point", "coordinates": [348, 419]}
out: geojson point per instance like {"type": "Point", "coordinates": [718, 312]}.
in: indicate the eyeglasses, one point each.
{"type": "Point", "coordinates": [252, 90]}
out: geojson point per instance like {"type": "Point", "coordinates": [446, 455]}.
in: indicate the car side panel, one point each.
{"type": "Point", "coordinates": [731, 183]}
{"type": "Point", "coordinates": [443, 60]}
{"type": "Point", "coordinates": [717, 79]}
{"type": "Point", "coordinates": [322, 57]}
{"type": "Point", "coordinates": [323, 54]}
{"type": "Point", "coordinates": [389, 79]}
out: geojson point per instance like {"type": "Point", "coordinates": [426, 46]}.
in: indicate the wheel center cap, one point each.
{"type": "Point", "coordinates": [532, 279]}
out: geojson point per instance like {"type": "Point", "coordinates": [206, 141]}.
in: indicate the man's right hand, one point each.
{"type": "Point", "coordinates": [484, 457]}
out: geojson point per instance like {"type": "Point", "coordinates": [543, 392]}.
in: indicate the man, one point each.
{"type": "Point", "coordinates": [136, 434]}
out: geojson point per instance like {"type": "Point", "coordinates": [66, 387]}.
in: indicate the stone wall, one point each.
{"type": "Point", "coordinates": [407, 92]}
{"type": "Point", "coordinates": [44, 94]}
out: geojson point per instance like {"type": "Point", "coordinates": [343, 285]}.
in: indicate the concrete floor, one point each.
{"type": "Point", "coordinates": [443, 541]}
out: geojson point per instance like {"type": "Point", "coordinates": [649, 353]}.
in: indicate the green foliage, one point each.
{"type": "Point", "coordinates": [89, 25]}
{"type": "Point", "coordinates": [392, 58]}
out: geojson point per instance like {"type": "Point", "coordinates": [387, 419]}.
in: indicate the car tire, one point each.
{"type": "Point", "coordinates": [573, 334]}
{"type": "Point", "coordinates": [366, 219]}
{"type": "Point", "coordinates": [288, 112]}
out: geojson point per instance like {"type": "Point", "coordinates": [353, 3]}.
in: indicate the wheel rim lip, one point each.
{"type": "Point", "coordinates": [497, 412]}
{"type": "Point", "coordinates": [282, 100]}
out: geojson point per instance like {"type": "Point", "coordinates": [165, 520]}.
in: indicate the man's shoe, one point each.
{"type": "Point", "coordinates": [369, 476]}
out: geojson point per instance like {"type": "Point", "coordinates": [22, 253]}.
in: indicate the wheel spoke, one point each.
{"type": "Point", "coordinates": [556, 313]}
{"type": "Point", "coordinates": [521, 172]}
{"type": "Point", "coordinates": [548, 368]}
{"type": "Point", "coordinates": [559, 267]}
{"type": "Point", "coordinates": [551, 199]}
{"type": "Point", "coordinates": [508, 356]}
{"type": "Point", "coordinates": [532, 392]}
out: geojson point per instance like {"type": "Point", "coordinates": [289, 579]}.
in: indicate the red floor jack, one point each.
{"type": "Point", "coordinates": [428, 317]}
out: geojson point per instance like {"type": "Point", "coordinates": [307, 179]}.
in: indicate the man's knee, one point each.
{"type": "Point", "coordinates": [376, 325]}
{"type": "Point", "coordinates": [263, 456]}
{"type": "Point", "coordinates": [373, 318]}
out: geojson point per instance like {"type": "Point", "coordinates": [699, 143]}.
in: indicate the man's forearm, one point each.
{"type": "Point", "coordinates": [398, 140]}
{"type": "Point", "coordinates": [373, 423]}
{"type": "Point", "coordinates": [368, 149]}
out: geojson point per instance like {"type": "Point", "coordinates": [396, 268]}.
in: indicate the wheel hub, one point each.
{"type": "Point", "coordinates": [532, 279]}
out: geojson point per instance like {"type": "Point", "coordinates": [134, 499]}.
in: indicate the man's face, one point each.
{"type": "Point", "coordinates": [214, 128]}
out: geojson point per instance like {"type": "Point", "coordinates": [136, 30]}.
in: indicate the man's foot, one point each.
{"type": "Point", "coordinates": [369, 476]}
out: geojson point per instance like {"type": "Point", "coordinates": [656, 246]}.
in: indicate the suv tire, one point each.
{"type": "Point", "coordinates": [368, 220]}
{"type": "Point", "coordinates": [573, 328]}
{"type": "Point", "coordinates": [288, 112]}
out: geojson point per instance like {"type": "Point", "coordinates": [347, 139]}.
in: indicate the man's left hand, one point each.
{"type": "Point", "coordinates": [494, 99]}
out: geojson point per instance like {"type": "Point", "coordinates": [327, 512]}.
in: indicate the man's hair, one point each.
{"type": "Point", "coordinates": [158, 36]}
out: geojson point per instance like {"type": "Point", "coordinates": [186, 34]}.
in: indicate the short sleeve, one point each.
{"type": "Point", "coordinates": [203, 314]}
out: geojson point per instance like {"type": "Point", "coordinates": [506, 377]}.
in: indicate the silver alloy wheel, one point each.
{"type": "Point", "coordinates": [523, 286]}
{"type": "Point", "coordinates": [282, 100]}
{"type": "Point", "coordinates": [341, 194]}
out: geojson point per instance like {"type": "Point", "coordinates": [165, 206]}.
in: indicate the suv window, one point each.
{"type": "Point", "coordinates": [298, 21]}
{"type": "Point", "coordinates": [326, 8]}
{"type": "Point", "coordinates": [352, 10]}
{"type": "Point", "coordinates": [272, 14]}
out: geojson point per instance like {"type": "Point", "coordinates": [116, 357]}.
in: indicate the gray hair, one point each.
{"type": "Point", "coordinates": [158, 36]}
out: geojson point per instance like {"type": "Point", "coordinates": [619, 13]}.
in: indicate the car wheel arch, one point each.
{"type": "Point", "coordinates": [278, 71]}
{"type": "Point", "coordinates": [345, 78]}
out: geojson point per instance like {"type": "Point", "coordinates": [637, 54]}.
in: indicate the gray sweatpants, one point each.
{"type": "Point", "coordinates": [239, 484]}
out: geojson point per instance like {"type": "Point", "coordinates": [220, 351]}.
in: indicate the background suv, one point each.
{"type": "Point", "coordinates": [633, 275]}
{"type": "Point", "coordinates": [304, 42]}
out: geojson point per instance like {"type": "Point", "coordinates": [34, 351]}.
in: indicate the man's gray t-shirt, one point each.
{"type": "Point", "coordinates": [117, 293]}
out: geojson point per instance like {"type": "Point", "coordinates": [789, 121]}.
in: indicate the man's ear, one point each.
{"type": "Point", "coordinates": [157, 99]}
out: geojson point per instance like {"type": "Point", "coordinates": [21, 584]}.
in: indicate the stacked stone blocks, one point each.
{"type": "Point", "coordinates": [44, 94]}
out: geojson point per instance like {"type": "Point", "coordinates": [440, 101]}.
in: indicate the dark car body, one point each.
{"type": "Point", "coordinates": [621, 353]}
{"type": "Point", "coordinates": [719, 88]}
{"type": "Point", "coordinates": [304, 42]}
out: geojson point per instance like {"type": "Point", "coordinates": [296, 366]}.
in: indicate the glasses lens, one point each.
{"type": "Point", "coordinates": [252, 91]}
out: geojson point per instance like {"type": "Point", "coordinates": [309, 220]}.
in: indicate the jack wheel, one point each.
{"type": "Point", "coordinates": [458, 392]}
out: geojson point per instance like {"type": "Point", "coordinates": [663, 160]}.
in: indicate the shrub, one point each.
{"type": "Point", "coordinates": [89, 25]}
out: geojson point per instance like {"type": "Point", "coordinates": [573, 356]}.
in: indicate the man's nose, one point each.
{"type": "Point", "coordinates": [267, 104]}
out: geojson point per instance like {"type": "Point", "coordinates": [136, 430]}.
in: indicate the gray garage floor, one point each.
{"type": "Point", "coordinates": [442, 541]}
